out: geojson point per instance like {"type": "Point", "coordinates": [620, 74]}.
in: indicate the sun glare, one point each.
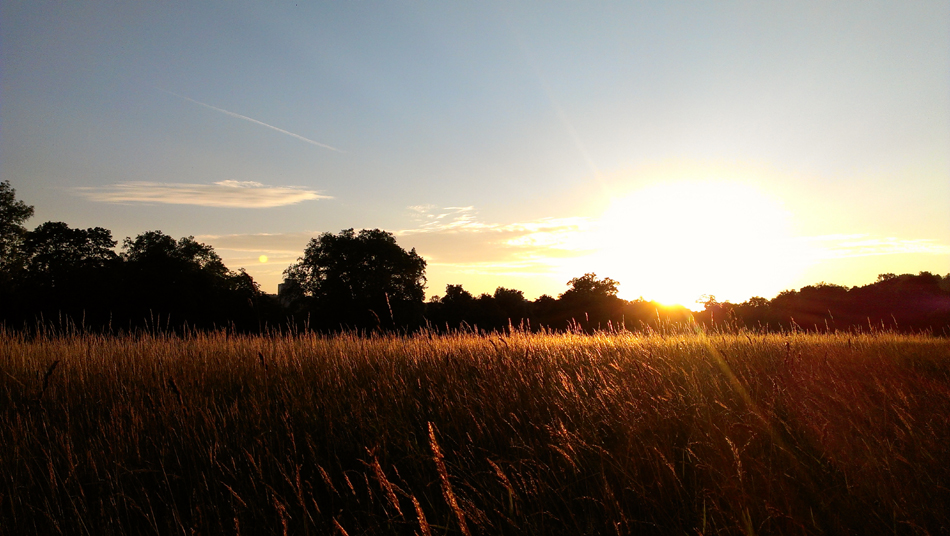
{"type": "Point", "coordinates": [676, 242]}
{"type": "Point", "coordinates": [262, 258]}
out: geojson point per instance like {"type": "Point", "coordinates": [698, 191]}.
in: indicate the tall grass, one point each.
{"type": "Point", "coordinates": [613, 433]}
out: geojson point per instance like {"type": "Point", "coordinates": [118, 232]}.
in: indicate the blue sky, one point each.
{"type": "Point", "coordinates": [727, 148]}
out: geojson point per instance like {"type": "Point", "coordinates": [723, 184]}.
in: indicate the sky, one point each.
{"type": "Point", "coordinates": [684, 149]}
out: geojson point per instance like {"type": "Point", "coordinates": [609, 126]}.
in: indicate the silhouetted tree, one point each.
{"type": "Point", "coordinates": [360, 280]}
{"type": "Point", "coordinates": [66, 272]}
{"type": "Point", "coordinates": [589, 287]}
{"type": "Point", "coordinates": [13, 214]}
{"type": "Point", "coordinates": [545, 312]}
{"type": "Point", "coordinates": [901, 302]}
{"type": "Point", "coordinates": [487, 312]}
{"type": "Point", "coordinates": [885, 277]}
{"type": "Point", "coordinates": [715, 312]}
{"type": "Point", "coordinates": [365, 280]}
{"type": "Point", "coordinates": [643, 314]}
{"type": "Point", "coordinates": [512, 306]}
{"type": "Point", "coordinates": [756, 313]}
{"type": "Point", "coordinates": [907, 301]}
{"type": "Point", "coordinates": [457, 296]}
{"type": "Point", "coordinates": [815, 307]}
{"type": "Point", "coordinates": [592, 302]}
{"type": "Point", "coordinates": [156, 250]}
{"type": "Point", "coordinates": [56, 254]}
{"type": "Point", "coordinates": [450, 311]}
{"type": "Point", "coordinates": [187, 280]}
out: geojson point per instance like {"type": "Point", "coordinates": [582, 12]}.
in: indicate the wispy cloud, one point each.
{"type": "Point", "coordinates": [535, 256]}
{"type": "Point", "coordinates": [455, 235]}
{"type": "Point", "coordinates": [465, 219]}
{"type": "Point", "coordinates": [229, 193]}
{"type": "Point", "coordinates": [252, 120]}
{"type": "Point", "coordinates": [842, 246]}
{"type": "Point", "coordinates": [434, 219]}
{"type": "Point", "coordinates": [524, 268]}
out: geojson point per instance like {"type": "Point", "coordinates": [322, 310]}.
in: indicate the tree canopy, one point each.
{"type": "Point", "coordinates": [365, 280]}
{"type": "Point", "coordinates": [54, 249]}
{"type": "Point", "coordinates": [360, 279]}
{"type": "Point", "coordinates": [13, 214]}
{"type": "Point", "coordinates": [186, 278]}
{"type": "Point", "coordinates": [588, 286]}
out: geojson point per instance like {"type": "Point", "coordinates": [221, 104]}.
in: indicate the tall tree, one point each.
{"type": "Point", "coordinates": [66, 273]}
{"type": "Point", "coordinates": [592, 302]}
{"type": "Point", "coordinates": [360, 279]}
{"type": "Point", "coordinates": [512, 305]}
{"type": "Point", "coordinates": [186, 279]}
{"type": "Point", "coordinates": [55, 252]}
{"type": "Point", "coordinates": [588, 286]}
{"type": "Point", "coordinates": [13, 214]}
{"type": "Point", "coordinates": [450, 311]}
{"type": "Point", "coordinates": [156, 249]}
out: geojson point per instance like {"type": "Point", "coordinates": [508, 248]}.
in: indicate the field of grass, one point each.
{"type": "Point", "coordinates": [676, 433]}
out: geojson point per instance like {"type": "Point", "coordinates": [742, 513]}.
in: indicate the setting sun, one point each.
{"type": "Point", "coordinates": [262, 258]}
{"type": "Point", "coordinates": [675, 242]}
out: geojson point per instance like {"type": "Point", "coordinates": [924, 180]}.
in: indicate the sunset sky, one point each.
{"type": "Point", "coordinates": [682, 148]}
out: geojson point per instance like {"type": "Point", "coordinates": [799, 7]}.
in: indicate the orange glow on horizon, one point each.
{"type": "Point", "coordinates": [675, 242]}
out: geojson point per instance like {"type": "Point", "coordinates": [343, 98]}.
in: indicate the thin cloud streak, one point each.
{"type": "Point", "coordinates": [455, 233]}
{"type": "Point", "coordinates": [501, 268]}
{"type": "Point", "coordinates": [252, 120]}
{"type": "Point", "coordinates": [226, 194]}
{"type": "Point", "coordinates": [843, 246]}
{"type": "Point", "coordinates": [463, 219]}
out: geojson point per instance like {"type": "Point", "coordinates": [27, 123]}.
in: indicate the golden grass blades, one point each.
{"type": "Point", "coordinates": [671, 432]}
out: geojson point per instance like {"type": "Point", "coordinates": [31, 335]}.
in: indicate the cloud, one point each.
{"type": "Point", "coordinates": [448, 237]}
{"type": "Point", "coordinates": [255, 121]}
{"type": "Point", "coordinates": [537, 267]}
{"type": "Point", "coordinates": [229, 193]}
{"type": "Point", "coordinates": [482, 258]}
{"type": "Point", "coordinates": [841, 246]}
{"type": "Point", "coordinates": [534, 256]}
{"type": "Point", "coordinates": [458, 245]}
{"type": "Point", "coordinates": [454, 236]}
{"type": "Point", "coordinates": [433, 219]}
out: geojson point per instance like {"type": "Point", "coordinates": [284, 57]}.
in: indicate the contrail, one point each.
{"type": "Point", "coordinates": [246, 118]}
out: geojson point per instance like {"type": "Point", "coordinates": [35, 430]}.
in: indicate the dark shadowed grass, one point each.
{"type": "Point", "coordinates": [463, 434]}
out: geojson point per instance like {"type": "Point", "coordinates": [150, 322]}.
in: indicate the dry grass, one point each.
{"type": "Point", "coordinates": [522, 434]}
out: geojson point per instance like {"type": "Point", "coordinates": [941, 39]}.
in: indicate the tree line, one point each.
{"type": "Point", "coordinates": [57, 275]}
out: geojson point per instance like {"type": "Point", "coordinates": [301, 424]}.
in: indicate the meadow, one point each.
{"type": "Point", "coordinates": [676, 431]}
